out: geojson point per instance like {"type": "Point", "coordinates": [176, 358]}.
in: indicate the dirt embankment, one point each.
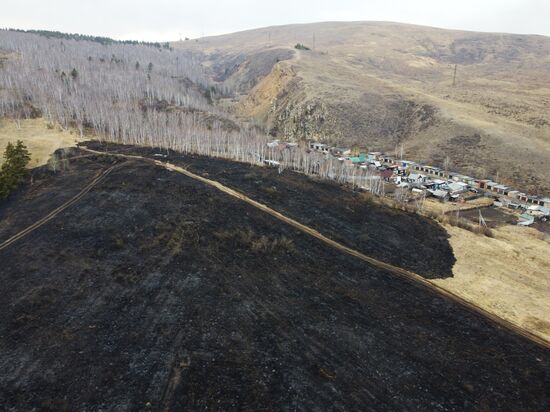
{"type": "Point", "coordinates": [157, 291]}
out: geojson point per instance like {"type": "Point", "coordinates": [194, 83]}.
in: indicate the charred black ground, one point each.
{"type": "Point", "coordinates": [403, 239]}
{"type": "Point", "coordinates": [157, 292]}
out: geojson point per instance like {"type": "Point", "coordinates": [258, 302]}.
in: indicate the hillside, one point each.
{"type": "Point", "coordinates": [383, 85]}
{"type": "Point", "coordinates": [157, 292]}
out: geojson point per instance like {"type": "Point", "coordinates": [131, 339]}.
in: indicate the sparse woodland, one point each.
{"type": "Point", "coordinates": [143, 95]}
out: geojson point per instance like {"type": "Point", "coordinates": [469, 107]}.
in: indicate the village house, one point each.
{"type": "Point", "coordinates": [386, 174]}
{"type": "Point", "coordinates": [417, 178]}
{"type": "Point", "coordinates": [319, 147]}
{"type": "Point", "coordinates": [410, 174]}
{"type": "Point", "coordinates": [406, 164]}
{"type": "Point", "coordinates": [536, 200]}
{"type": "Point", "coordinates": [456, 188]}
{"type": "Point", "coordinates": [440, 194]}
{"type": "Point", "coordinates": [501, 189]}
{"type": "Point", "coordinates": [389, 160]}
{"type": "Point", "coordinates": [361, 159]}
{"type": "Point", "coordinates": [373, 156]}
{"type": "Point", "coordinates": [526, 219]}
{"type": "Point", "coordinates": [513, 194]}
{"type": "Point", "coordinates": [538, 211]}
{"type": "Point", "coordinates": [340, 151]}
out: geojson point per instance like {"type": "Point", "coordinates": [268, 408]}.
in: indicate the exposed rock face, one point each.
{"type": "Point", "coordinates": [302, 121]}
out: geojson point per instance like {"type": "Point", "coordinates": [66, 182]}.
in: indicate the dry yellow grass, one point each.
{"type": "Point", "coordinates": [35, 134]}
{"type": "Point", "coordinates": [435, 206]}
{"type": "Point", "coordinates": [506, 275]}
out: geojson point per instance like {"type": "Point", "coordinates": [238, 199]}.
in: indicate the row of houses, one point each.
{"type": "Point", "coordinates": [437, 182]}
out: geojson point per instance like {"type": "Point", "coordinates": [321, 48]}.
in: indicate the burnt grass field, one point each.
{"type": "Point", "coordinates": [400, 238]}
{"type": "Point", "coordinates": [156, 292]}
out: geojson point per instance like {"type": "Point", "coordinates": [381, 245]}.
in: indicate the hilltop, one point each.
{"type": "Point", "coordinates": [383, 85]}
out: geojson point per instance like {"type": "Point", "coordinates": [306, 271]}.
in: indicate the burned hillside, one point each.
{"type": "Point", "coordinates": [158, 292]}
{"type": "Point", "coordinates": [400, 238]}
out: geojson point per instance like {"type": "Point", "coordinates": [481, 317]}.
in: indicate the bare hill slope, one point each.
{"type": "Point", "coordinates": [386, 84]}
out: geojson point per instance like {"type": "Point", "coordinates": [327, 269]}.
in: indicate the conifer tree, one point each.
{"type": "Point", "coordinates": [13, 171]}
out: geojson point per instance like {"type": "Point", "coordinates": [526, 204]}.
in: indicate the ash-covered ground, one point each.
{"type": "Point", "coordinates": [156, 292]}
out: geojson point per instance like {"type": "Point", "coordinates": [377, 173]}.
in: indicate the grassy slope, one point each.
{"type": "Point", "coordinates": [40, 140]}
{"type": "Point", "coordinates": [507, 275]}
{"type": "Point", "coordinates": [371, 80]}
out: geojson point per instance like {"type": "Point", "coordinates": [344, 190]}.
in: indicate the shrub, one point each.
{"type": "Point", "coordinates": [300, 46]}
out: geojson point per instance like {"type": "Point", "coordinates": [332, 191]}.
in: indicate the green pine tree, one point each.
{"type": "Point", "coordinates": [13, 170]}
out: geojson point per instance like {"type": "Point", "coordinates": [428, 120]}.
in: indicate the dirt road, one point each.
{"type": "Point", "coordinates": [56, 211]}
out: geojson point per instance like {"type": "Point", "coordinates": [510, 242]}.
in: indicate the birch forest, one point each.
{"type": "Point", "coordinates": [143, 95]}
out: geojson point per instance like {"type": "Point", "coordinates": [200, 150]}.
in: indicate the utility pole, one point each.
{"type": "Point", "coordinates": [454, 77]}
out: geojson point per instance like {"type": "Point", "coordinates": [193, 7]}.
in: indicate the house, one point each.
{"type": "Point", "coordinates": [538, 211]}
{"type": "Point", "coordinates": [406, 164]}
{"type": "Point", "coordinates": [362, 158]}
{"type": "Point", "coordinates": [373, 156]}
{"type": "Point", "coordinates": [456, 188]}
{"type": "Point", "coordinates": [491, 186]}
{"type": "Point", "coordinates": [417, 178]}
{"type": "Point", "coordinates": [484, 184]}
{"type": "Point", "coordinates": [546, 201]}
{"type": "Point", "coordinates": [526, 220]}
{"type": "Point", "coordinates": [470, 181]}
{"type": "Point", "coordinates": [386, 174]}
{"type": "Point", "coordinates": [501, 189]}
{"type": "Point", "coordinates": [536, 200]}
{"type": "Point", "coordinates": [438, 183]}
{"type": "Point", "coordinates": [436, 171]}
{"type": "Point", "coordinates": [340, 151]}
{"type": "Point", "coordinates": [440, 194]}
{"type": "Point", "coordinates": [523, 197]}
{"type": "Point", "coordinates": [389, 160]}
{"type": "Point", "coordinates": [319, 147]}
{"type": "Point", "coordinates": [514, 194]}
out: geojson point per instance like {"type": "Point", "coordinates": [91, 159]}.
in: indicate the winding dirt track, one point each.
{"type": "Point", "coordinates": [56, 211]}
{"type": "Point", "coordinates": [402, 273]}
